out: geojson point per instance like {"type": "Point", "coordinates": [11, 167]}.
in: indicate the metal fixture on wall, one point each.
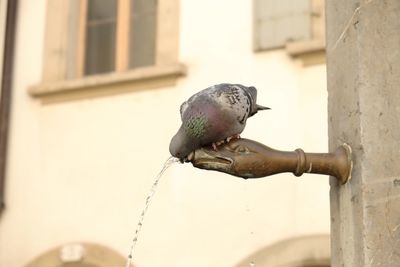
{"type": "Point", "coordinates": [249, 159]}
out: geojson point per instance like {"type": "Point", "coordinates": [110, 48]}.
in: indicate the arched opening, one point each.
{"type": "Point", "coordinates": [79, 255]}
{"type": "Point", "coordinates": [305, 251]}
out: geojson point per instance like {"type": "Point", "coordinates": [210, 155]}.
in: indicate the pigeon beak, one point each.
{"type": "Point", "coordinates": [190, 156]}
{"type": "Point", "coordinates": [259, 107]}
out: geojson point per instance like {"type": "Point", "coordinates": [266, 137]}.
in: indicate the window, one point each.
{"type": "Point", "coordinates": [297, 26]}
{"type": "Point", "coordinates": [123, 32]}
{"type": "Point", "coordinates": [99, 35]}
{"type": "Point", "coordinates": [95, 43]}
{"type": "Point", "coordinates": [277, 22]}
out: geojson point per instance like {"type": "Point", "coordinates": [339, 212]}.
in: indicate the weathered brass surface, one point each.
{"type": "Point", "coordinates": [249, 159]}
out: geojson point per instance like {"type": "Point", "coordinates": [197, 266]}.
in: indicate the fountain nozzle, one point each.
{"type": "Point", "coordinates": [249, 159]}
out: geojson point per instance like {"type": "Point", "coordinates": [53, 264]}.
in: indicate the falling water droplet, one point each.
{"type": "Point", "coordinates": [167, 164]}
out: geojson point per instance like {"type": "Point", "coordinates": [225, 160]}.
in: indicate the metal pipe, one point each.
{"type": "Point", "coordinates": [249, 159]}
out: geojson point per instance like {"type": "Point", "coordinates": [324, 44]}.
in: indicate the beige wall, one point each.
{"type": "Point", "coordinates": [80, 170]}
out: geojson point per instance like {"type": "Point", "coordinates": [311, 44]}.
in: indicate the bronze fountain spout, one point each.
{"type": "Point", "coordinates": [249, 159]}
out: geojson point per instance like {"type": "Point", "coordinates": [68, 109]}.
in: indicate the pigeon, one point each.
{"type": "Point", "coordinates": [213, 115]}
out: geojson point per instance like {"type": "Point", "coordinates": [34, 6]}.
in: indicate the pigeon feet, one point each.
{"type": "Point", "coordinates": [216, 144]}
{"type": "Point", "coordinates": [227, 140]}
{"type": "Point", "coordinates": [236, 136]}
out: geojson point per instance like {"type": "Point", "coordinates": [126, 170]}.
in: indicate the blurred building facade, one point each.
{"type": "Point", "coordinates": [96, 92]}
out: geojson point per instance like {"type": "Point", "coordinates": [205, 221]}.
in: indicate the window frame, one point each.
{"type": "Point", "coordinates": [62, 72]}
{"type": "Point", "coordinates": [271, 20]}
{"type": "Point", "coordinates": [316, 44]}
{"type": "Point", "coordinates": [310, 51]}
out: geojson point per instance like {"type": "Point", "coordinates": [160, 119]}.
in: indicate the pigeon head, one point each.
{"type": "Point", "coordinates": [188, 137]}
{"type": "Point", "coordinates": [252, 95]}
{"type": "Point", "coordinates": [179, 146]}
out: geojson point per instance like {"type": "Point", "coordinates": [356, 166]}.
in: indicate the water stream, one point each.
{"type": "Point", "coordinates": [170, 161]}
